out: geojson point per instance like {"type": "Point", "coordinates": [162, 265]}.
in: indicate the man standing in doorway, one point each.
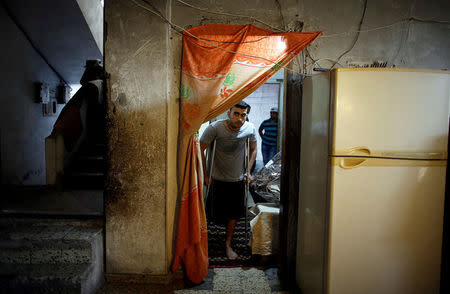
{"type": "Point", "coordinates": [268, 131]}
{"type": "Point", "coordinates": [226, 200]}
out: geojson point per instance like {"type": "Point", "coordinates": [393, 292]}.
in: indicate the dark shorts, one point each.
{"type": "Point", "coordinates": [226, 200]}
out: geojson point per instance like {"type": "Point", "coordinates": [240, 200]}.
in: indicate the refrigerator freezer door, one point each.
{"type": "Point", "coordinates": [386, 219]}
{"type": "Point", "coordinates": [391, 112]}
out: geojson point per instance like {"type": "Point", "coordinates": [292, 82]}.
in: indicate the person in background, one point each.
{"type": "Point", "coordinates": [268, 130]}
{"type": "Point", "coordinates": [83, 117]}
{"type": "Point", "coordinates": [226, 198]}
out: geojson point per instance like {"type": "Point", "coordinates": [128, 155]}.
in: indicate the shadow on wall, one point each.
{"type": "Point", "coordinates": [137, 158]}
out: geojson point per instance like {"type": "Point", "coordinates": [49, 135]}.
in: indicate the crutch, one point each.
{"type": "Point", "coordinates": [211, 160]}
{"type": "Point", "coordinates": [247, 183]}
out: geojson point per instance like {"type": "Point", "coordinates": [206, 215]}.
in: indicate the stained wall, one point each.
{"type": "Point", "coordinates": [135, 199]}
{"type": "Point", "coordinates": [143, 56]}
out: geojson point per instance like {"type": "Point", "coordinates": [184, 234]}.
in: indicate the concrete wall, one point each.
{"type": "Point", "coordinates": [136, 58]}
{"type": "Point", "coordinates": [93, 14]}
{"type": "Point", "coordinates": [143, 58]}
{"type": "Point", "coordinates": [23, 126]}
{"type": "Point", "coordinates": [403, 44]}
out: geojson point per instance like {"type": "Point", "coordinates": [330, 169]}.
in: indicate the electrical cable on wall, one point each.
{"type": "Point", "coordinates": [283, 25]}
{"type": "Point", "coordinates": [410, 19]}
{"type": "Point", "coordinates": [231, 14]}
{"type": "Point", "coordinates": [182, 31]}
{"type": "Point", "coordinates": [201, 39]}
{"type": "Point", "coordinates": [356, 37]}
{"type": "Point", "coordinates": [21, 28]}
{"type": "Point", "coordinates": [404, 37]}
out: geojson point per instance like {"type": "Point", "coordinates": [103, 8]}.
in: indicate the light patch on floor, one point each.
{"type": "Point", "coordinates": [236, 280]}
{"type": "Point", "coordinates": [246, 280]}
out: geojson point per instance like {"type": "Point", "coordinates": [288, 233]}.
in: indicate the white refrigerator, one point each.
{"type": "Point", "coordinates": [372, 181]}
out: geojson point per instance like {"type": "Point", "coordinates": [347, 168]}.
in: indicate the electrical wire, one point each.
{"type": "Point", "coordinates": [403, 40]}
{"type": "Point", "coordinates": [186, 33]}
{"type": "Point", "coordinates": [283, 25]}
{"type": "Point", "coordinates": [321, 36]}
{"type": "Point", "coordinates": [230, 14]}
{"type": "Point", "coordinates": [356, 37]}
{"type": "Point", "coordinates": [328, 59]}
{"type": "Point", "coordinates": [181, 30]}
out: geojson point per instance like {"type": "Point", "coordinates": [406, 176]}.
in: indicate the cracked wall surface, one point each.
{"type": "Point", "coordinates": [143, 57]}
{"type": "Point", "coordinates": [136, 187]}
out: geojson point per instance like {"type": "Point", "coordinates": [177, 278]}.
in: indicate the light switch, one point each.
{"type": "Point", "coordinates": [43, 93]}
{"type": "Point", "coordinates": [63, 94]}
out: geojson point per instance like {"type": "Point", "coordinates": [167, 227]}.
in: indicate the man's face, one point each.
{"type": "Point", "coordinates": [237, 116]}
{"type": "Point", "coordinates": [274, 115]}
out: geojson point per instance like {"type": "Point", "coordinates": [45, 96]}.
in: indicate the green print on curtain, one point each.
{"type": "Point", "coordinates": [185, 91]}
{"type": "Point", "coordinates": [216, 58]}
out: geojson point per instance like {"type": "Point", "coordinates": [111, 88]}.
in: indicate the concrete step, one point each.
{"type": "Point", "coordinates": [8, 222]}
{"type": "Point", "coordinates": [84, 180]}
{"type": "Point", "coordinates": [96, 148]}
{"type": "Point", "coordinates": [49, 244]}
{"type": "Point", "coordinates": [50, 255]}
{"type": "Point", "coordinates": [48, 278]}
{"type": "Point", "coordinates": [88, 163]}
{"type": "Point", "coordinates": [52, 202]}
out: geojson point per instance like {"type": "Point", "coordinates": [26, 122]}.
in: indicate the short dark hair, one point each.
{"type": "Point", "coordinates": [243, 105]}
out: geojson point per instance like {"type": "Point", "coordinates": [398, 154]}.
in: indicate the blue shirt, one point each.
{"type": "Point", "coordinates": [270, 132]}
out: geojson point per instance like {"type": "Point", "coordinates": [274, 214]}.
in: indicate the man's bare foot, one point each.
{"type": "Point", "coordinates": [230, 253]}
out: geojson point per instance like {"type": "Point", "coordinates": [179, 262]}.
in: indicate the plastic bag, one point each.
{"type": "Point", "coordinates": [266, 184]}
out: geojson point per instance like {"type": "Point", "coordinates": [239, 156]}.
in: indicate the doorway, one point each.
{"type": "Point", "coordinates": [263, 212]}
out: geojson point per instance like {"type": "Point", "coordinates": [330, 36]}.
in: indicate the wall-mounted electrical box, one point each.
{"type": "Point", "coordinates": [50, 108]}
{"type": "Point", "coordinates": [63, 94]}
{"type": "Point", "coordinates": [42, 93]}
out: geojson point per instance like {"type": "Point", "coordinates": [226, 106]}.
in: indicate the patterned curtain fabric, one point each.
{"type": "Point", "coordinates": [213, 80]}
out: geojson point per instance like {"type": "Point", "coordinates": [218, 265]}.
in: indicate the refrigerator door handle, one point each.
{"type": "Point", "coordinates": [348, 162]}
{"type": "Point", "coordinates": [361, 150]}
{"type": "Point", "coordinates": [355, 151]}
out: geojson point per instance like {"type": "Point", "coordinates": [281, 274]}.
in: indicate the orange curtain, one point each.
{"type": "Point", "coordinates": [214, 79]}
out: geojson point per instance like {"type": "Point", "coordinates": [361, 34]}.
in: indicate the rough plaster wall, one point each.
{"type": "Point", "coordinates": [136, 59]}
{"type": "Point", "coordinates": [93, 13]}
{"type": "Point", "coordinates": [404, 44]}
{"type": "Point", "coordinates": [424, 45]}
{"type": "Point", "coordinates": [23, 127]}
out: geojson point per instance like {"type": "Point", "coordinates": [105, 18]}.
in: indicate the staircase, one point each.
{"type": "Point", "coordinates": [87, 170]}
{"type": "Point", "coordinates": [50, 256]}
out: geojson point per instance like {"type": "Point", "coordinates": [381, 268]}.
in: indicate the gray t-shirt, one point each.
{"type": "Point", "coordinates": [230, 149]}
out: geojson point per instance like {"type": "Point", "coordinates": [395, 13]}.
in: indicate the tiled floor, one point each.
{"type": "Point", "coordinates": [238, 280]}
{"type": "Point", "coordinates": [219, 280]}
